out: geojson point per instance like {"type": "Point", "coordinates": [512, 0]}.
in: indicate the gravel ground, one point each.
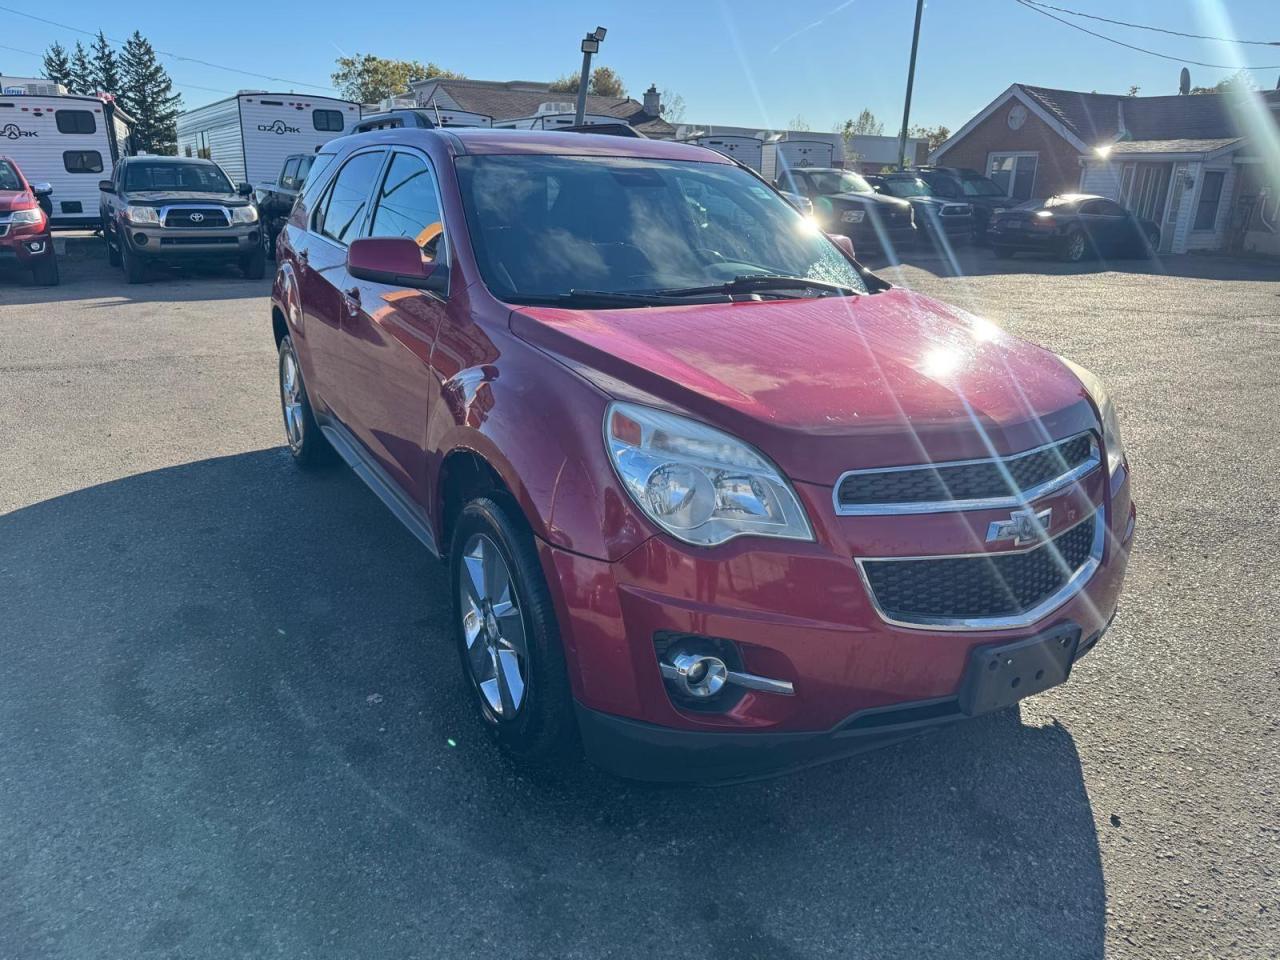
{"type": "Point", "coordinates": [231, 724]}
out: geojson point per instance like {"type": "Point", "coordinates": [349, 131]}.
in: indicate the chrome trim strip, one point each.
{"type": "Point", "coordinates": [1075, 583]}
{"type": "Point", "coordinates": [988, 503]}
{"type": "Point", "coordinates": [764, 684]}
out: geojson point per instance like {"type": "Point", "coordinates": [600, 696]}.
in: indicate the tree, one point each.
{"type": "Point", "coordinates": [80, 78]}
{"type": "Point", "coordinates": [1133, 90]}
{"type": "Point", "coordinates": [106, 67]}
{"type": "Point", "coordinates": [604, 83]}
{"type": "Point", "coordinates": [1238, 82]}
{"type": "Point", "coordinates": [798, 123]}
{"type": "Point", "coordinates": [57, 65]}
{"type": "Point", "coordinates": [673, 107]}
{"type": "Point", "coordinates": [935, 135]}
{"type": "Point", "coordinates": [366, 78]}
{"type": "Point", "coordinates": [147, 94]}
{"type": "Point", "coordinates": [865, 126]}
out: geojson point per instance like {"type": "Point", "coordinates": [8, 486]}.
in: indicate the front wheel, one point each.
{"type": "Point", "coordinates": [254, 265]}
{"type": "Point", "coordinates": [135, 268]}
{"type": "Point", "coordinates": [507, 634]}
{"type": "Point", "coordinates": [45, 272]}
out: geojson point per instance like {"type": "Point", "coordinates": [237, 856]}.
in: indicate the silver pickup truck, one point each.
{"type": "Point", "coordinates": [179, 208]}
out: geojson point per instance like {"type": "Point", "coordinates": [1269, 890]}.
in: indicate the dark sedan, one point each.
{"type": "Point", "coordinates": [937, 217]}
{"type": "Point", "coordinates": [1073, 226]}
{"type": "Point", "coordinates": [844, 203]}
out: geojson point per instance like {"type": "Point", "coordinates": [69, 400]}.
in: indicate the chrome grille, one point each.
{"type": "Point", "coordinates": [967, 484]}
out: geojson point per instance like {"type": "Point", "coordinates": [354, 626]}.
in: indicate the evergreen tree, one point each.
{"type": "Point", "coordinates": [147, 95]}
{"type": "Point", "coordinates": [106, 67]}
{"type": "Point", "coordinates": [80, 79]}
{"type": "Point", "coordinates": [57, 65]}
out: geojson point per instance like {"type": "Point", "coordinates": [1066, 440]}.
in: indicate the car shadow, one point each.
{"type": "Point", "coordinates": [235, 724]}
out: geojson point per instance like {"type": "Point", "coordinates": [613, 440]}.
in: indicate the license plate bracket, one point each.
{"type": "Point", "coordinates": [999, 675]}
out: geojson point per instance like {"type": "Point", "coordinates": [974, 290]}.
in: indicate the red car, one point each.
{"type": "Point", "coordinates": [24, 225]}
{"type": "Point", "coordinates": [715, 500]}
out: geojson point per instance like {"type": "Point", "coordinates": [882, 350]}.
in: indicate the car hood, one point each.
{"type": "Point", "coordinates": [160, 198]}
{"type": "Point", "coordinates": [828, 384]}
{"type": "Point", "coordinates": [869, 199]}
{"type": "Point", "coordinates": [12, 199]}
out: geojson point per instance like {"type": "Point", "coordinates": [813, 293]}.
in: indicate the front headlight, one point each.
{"type": "Point", "coordinates": [698, 484]}
{"type": "Point", "coordinates": [1107, 412]}
{"type": "Point", "coordinates": [34, 215]}
{"type": "Point", "coordinates": [244, 214]}
{"type": "Point", "coordinates": [142, 215]}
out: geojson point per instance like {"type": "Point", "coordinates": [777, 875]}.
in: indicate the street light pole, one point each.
{"type": "Point", "coordinates": [590, 45]}
{"type": "Point", "coordinates": [911, 79]}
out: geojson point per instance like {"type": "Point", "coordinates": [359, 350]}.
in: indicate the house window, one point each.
{"type": "Point", "coordinates": [330, 120]}
{"type": "Point", "coordinates": [82, 161]}
{"type": "Point", "coordinates": [75, 121]}
{"type": "Point", "coordinates": [1210, 196]}
{"type": "Point", "coordinates": [1014, 172]}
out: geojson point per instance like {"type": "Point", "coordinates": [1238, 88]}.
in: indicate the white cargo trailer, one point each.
{"type": "Point", "coordinates": [252, 133]}
{"type": "Point", "coordinates": [747, 150]}
{"type": "Point", "coordinates": [69, 142]}
{"type": "Point", "coordinates": [779, 155]}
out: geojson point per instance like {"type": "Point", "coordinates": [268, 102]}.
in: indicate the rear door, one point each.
{"type": "Point", "coordinates": [390, 330]}
{"type": "Point", "coordinates": [321, 254]}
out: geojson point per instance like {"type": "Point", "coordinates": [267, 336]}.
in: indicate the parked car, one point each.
{"type": "Point", "coordinates": [24, 225]}
{"type": "Point", "coordinates": [960, 183]}
{"type": "Point", "coordinates": [714, 499]}
{"type": "Point", "coordinates": [179, 208]}
{"type": "Point", "coordinates": [274, 200]}
{"type": "Point", "coordinates": [1073, 226]}
{"type": "Point", "coordinates": [844, 202]}
{"type": "Point", "coordinates": [934, 216]}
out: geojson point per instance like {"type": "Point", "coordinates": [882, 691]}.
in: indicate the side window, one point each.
{"type": "Point", "coordinates": [82, 161]}
{"type": "Point", "coordinates": [289, 177]}
{"type": "Point", "coordinates": [945, 187]}
{"type": "Point", "coordinates": [330, 120]}
{"type": "Point", "coordinates": [1105, 208]}
{"type": "Point", "coordinates": [300, 175]}
{"type": "Point", "coordinates": [75, 121]}
{"type": "Point", "coordinates": [409, 205]}
{"type": "Point", "coordinates": [342, 212]}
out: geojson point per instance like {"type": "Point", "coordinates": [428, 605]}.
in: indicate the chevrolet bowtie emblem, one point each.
{"type": "Point", "coordinates": [1023, 526]}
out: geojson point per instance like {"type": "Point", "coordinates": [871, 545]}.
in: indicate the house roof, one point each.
{"type": "Point", "coordinates": [504, 100]}
{"type": "Point", "coordinates": [1173, 146]}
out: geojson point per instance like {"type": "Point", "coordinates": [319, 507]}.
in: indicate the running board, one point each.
{"type": "Point", "coordinates": [387, 490]}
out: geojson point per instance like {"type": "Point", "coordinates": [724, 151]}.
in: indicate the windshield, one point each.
{"type": "Point", "coordinates": [828, 182]}
{"type": "Point", "coordinates": [545, 226]}
{"type": "Point", "coordinates": [9, 177]}
{"type": "Point", "coordinates": [202, 177]}
{"type": "Point", "coordinates": [903, 187]}
{"type": "Point", "coordinates": [981, 187]}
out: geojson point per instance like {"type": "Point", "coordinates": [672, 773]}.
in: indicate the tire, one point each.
{"type": "Point", "coordinates": [113, 255]}
{"type": "Point", "coordinates": [135, 268]}
{"type": "Point", "coordinates": [516, 647]}
{"type": "Point", "coordinates": [254, 265]}
{"type": "Point", "coordinates": [1002, 253]}
{"type": "Point", "coordinates": [45, 273]}
{"type": "Point", "coordinates": [307, 444]}
{"type": "Point", "coordinates": [1075, 247]}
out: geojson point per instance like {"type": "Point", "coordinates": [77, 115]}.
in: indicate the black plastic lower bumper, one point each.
{"type": "Point", "coordinates": [644, 751]}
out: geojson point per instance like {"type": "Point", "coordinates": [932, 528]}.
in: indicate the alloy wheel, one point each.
{"type": "Point", "coordinates": [1075, 247]}
{"type": "Point", "coordinates": [493, 628]}
{"type": "Point", "coordinates": [291, 399]}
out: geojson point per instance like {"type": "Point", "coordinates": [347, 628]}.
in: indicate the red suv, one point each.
{"type": "Point", "coordinates": [715, 500]}
{"type": "Point", "coordinates": [24, 225]}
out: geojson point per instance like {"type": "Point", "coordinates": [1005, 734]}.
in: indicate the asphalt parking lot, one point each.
{"type": "Point", "coordinates": [233, 726]}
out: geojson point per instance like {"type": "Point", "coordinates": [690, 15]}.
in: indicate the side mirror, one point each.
{"type": "Point", "coordinates": [843, 242]}
{"type": "Point", "coordinates": [42, 189]}
{"type": "Point", "coordinates": [245, 190]}
{"type": "Point", "coordinates": [106, 186]}
{"type": "Point", "coordinates": [396, 261]}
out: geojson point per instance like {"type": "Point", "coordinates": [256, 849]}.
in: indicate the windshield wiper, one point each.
{"type": "Point", "coordinates": [760, 281]}
{"type": "Point", "coordinates": [604, 298]}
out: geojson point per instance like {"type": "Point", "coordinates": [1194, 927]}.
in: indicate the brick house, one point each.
{"type": "Point", "coordinates": [1196, 165]}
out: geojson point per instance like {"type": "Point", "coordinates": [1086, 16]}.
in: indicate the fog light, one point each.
{"type": "Point", "coordinates": [697, 675]}
{"type": "Point", "coordinates": [140, 239]}
{"type": "Point", "coordinates": [35, 246]}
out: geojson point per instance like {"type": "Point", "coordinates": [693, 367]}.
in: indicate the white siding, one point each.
{"type": "Point", "coordinates": [41, 156]}
{"type": "Point", "coordinates": [1101, 177]}
{"type": "Point", "coordinates": [217, 128]}
{"type": "Point", "coordinates": [748, 150]}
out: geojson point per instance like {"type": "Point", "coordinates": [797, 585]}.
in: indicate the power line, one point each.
{"type": "Point", "coordinates": [1143, 26]}
{"type": "Point", "coordinates": [1164, 56]}
{"type": "Point", "coordinates": [173, 56]}
{"type": "Point", "coordinates": [192, 86]}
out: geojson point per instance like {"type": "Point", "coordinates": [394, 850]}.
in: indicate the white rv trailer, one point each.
{"type": "Point", "coordinates": [779, 155]}
{"type": "Point", "coordinates": [440, 116]}
{"type": "Point", "coordinates": [69, 142]}
{"type": "Point", "coordinates": [252, 133]}
{"type": "Point", "coordinates": [747, 150]}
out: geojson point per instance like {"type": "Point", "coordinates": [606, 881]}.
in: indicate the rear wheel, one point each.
{"type": "Point", "coordinates": [45, 272]}
{"type": "Point", "coordinates": [507, 634]}
{"type": "Point", "coordinates": [307, 445]}
{"type": "Point", "coordinates": [1075, 246]}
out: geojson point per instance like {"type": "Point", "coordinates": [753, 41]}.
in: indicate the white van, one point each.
{"type": "Point", "coordinates": [70, 142]}
{"type": "Point", "coordinates": [780, 155]}
{"type": "Point", "coordinates": [251, 134]}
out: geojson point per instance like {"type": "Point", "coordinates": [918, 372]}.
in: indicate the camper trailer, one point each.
{"type": "Point", "coordinates": [746, 150]}
{"type": "Point", "coordinates": [252, 133]}
{"type": "Point", "coordinates": [70, 142]}
{"type": "Point", "coordinates": [779, 155]}
{"type": "Point", "coordinates": [440, 116]}
{"type": "Point", "coordinates": [554, 116]}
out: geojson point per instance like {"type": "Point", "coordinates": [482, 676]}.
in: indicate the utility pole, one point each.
{"type": "Point", "coordinates": [911, 79]}
{"type": "Point", "coordinates": [590, 45]}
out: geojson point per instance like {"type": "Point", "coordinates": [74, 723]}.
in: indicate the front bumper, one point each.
{"type": "Point", "coordinates": [798, 613]}
{"type": "Point", "coordinates": [25, 249]}
{"type": "Point", "coordinates": [1047, 242]}
{"type": "Point", "coordinates": [165, 242]}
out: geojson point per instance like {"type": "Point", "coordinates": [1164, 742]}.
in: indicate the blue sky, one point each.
{"type": "Point", "coordinates": [742, 62]}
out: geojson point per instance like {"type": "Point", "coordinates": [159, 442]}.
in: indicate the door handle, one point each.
{"type": "Point", "coordinates": [351, 297]}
